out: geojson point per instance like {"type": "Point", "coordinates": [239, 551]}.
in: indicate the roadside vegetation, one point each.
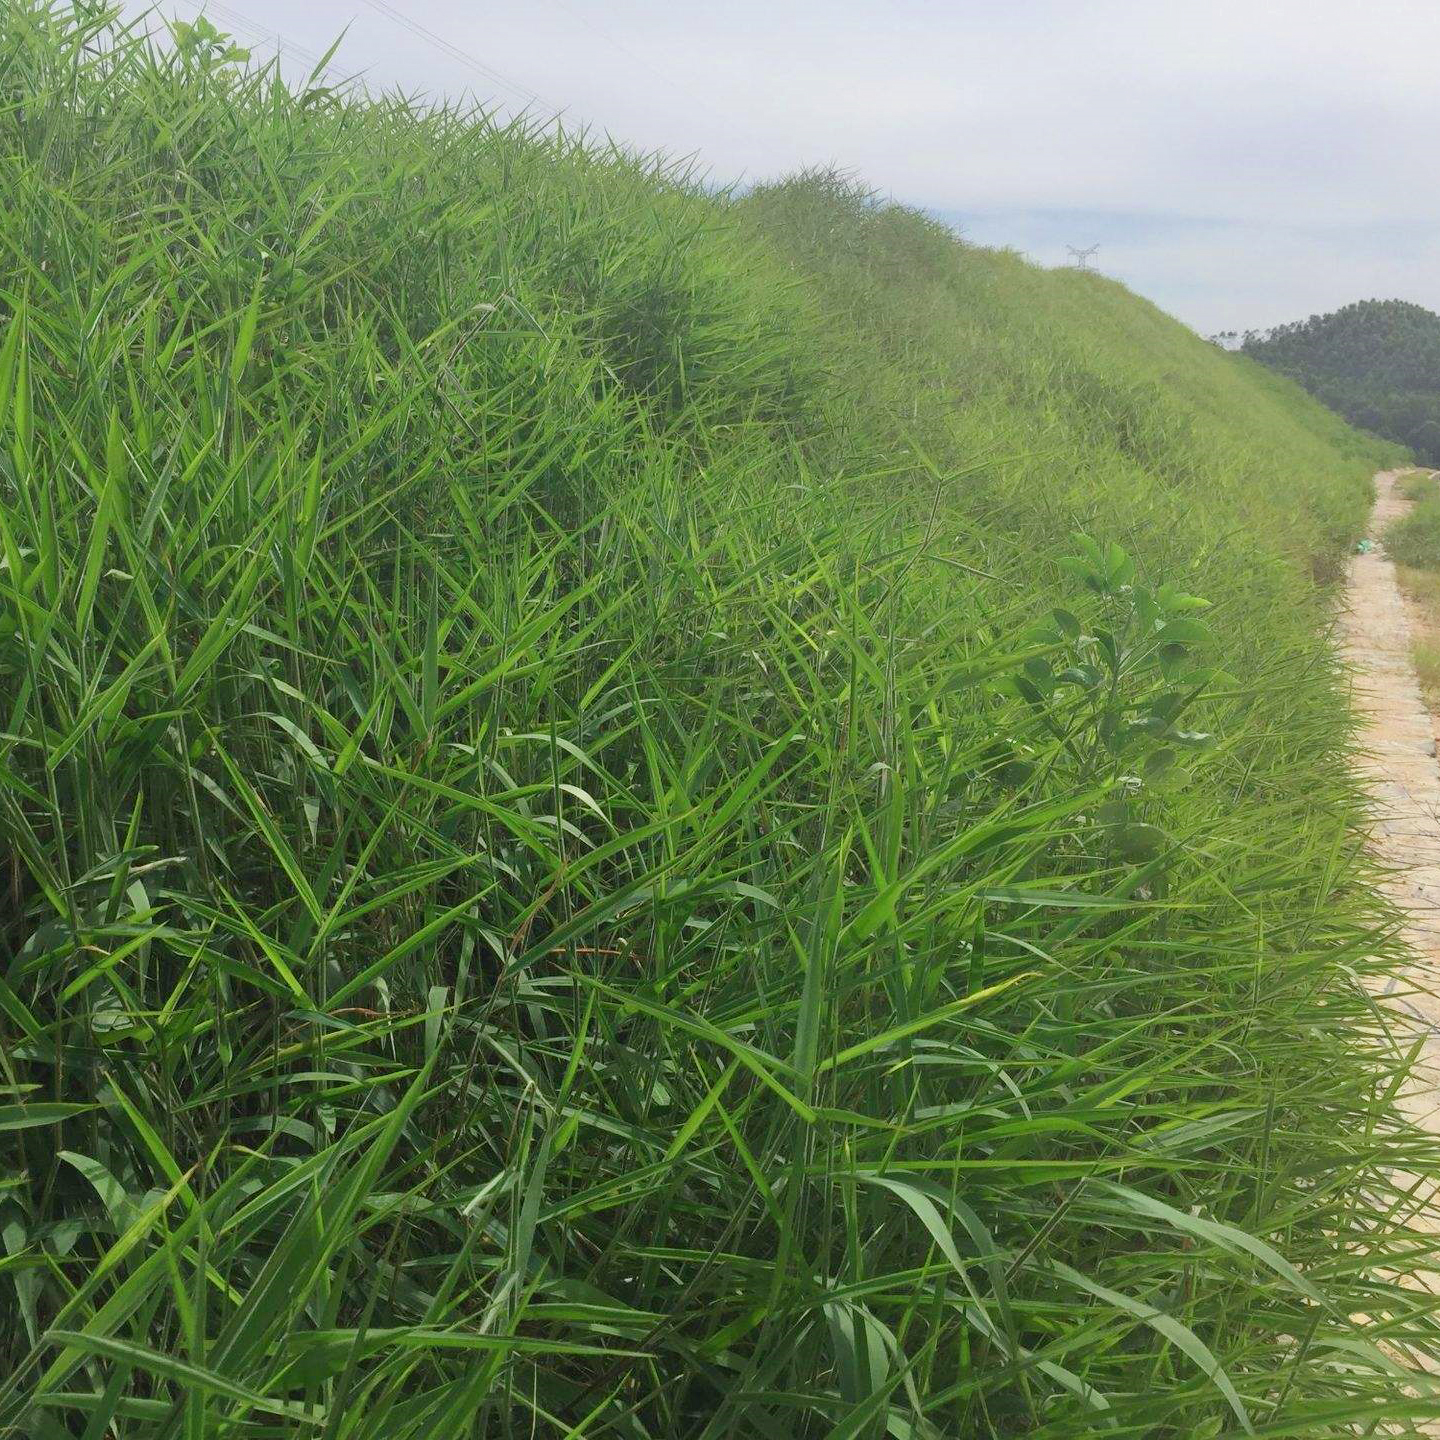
{"type": "Point", "coordinates": [1420, 484]}
{"type": "Point", "coordinates": [1414, 539]}
{"type": "Point", "coordinates": [1421, 589]}
{"type": "Point", "coordinates": [1413, 542]}
{"type": "Point", "coordinates": [635, 813]}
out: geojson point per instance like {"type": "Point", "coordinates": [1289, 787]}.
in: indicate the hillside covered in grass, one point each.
{"type": "Point", "coordinates": [627, 813]}
{"type": "Point", "coordinates": [1376, 362]}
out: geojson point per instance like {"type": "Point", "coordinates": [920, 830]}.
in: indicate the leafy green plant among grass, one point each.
{"type": "Point", "coordinates": [634, 813]}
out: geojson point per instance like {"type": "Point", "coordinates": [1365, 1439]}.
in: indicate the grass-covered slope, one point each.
{"type": "Point", "coordinates": [585, 853]}
{"type": "Point", "coordinates": [1377, 362]}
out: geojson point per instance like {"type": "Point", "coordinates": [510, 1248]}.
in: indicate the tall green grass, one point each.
{"type": "Point", "coordinates": [1419, 484]}
{"type": "Point", "coordinates": [1414, 539]}
{"type": "Point", "coordinates": [586, 852]}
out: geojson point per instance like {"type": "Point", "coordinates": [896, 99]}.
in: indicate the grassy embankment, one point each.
{"type": "Point", "coordinates": [587, 855]}
{"type": "Point", "coordinates": [1413, 542]}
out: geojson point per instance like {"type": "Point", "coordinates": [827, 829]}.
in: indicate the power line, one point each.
{"type": "Point", "coordinates": [282, 43]}
{"type": "Point", "coordinates": [693, 104]}
{"type": "Point", "coordinates": [285, 45]}
{"type": "Point", "coordinates": [448, 47]}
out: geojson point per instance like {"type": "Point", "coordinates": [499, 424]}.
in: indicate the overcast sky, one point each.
{"type": "Point", "coordinates": [1241, 162]}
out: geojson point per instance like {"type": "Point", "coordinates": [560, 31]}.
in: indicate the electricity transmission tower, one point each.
{"type": "Point", "coordinates": [1082, 258]}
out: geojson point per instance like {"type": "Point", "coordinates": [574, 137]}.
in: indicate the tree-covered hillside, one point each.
{"type": "Point", "coordinates": [1377, 362]}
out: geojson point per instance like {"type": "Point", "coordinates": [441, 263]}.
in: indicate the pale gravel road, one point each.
{"type": "Point", "coordinates": [1402, 775]}
{"type": "Point", "coordinates": [1399, 766]}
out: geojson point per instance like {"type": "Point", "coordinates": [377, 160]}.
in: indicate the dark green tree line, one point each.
{"type": "Point", "coordinates": [1377, 362]}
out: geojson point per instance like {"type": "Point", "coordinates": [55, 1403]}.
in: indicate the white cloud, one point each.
{"type": "Point", "coordinates": [1283, 129]}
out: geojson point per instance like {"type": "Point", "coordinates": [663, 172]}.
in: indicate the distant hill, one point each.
{"type": "Point", "coordinates": [1376, 362]}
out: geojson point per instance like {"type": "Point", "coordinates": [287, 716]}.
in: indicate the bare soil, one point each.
{"type": "Point", "coordinates": [1402, 775]}
{"type": "Point", "coordinates": [1401, 772]}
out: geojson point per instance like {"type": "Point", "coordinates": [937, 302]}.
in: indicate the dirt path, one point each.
{"type": "Point", "coordinates": [1401, 772]}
